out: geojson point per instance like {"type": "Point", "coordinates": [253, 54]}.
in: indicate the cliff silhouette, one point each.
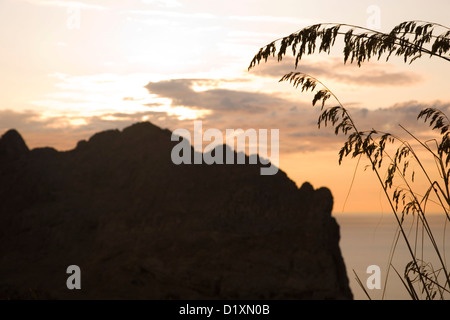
{"type": "Point", "coordinates": [140, 227]}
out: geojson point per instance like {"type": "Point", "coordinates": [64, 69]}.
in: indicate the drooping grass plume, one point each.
{"type": "Point", "coordinates": [396, 172]}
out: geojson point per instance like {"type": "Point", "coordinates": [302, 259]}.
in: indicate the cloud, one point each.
{"type": "Point", "coordinates": [10, 119]}
{"type": "Point", "coordinates": [67, 4]}
{"type": "Point", "coordinates": [239, 109]}
{"type": "Point", "coordinates": [172, 14]}
{"type": "Point", "coordinates": [209, 16]}
{"type": "Point", "coordinates": [296, 120]}
{"type": "Point", "coordinates": [164, 3]}
{"type": "Point", "coordinates": [229, 109]}
{"type": "Point", "coordinates": [63, 132]}
{"type": "Point", "coordinates": [306, 136]}
{"type": "Point", "coordinates": [181, 92]}
{"type": "Point", "coordinates": [297, 125]}
{"type": "Point", "coordinates": [373, 74]}
{"type": "Point", "coordinates": [273, 19]}
{"type": "Point", "coordinates": [405, 114]}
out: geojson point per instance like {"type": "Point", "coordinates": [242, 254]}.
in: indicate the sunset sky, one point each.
{"type": "Point", "coordinates": [73, 68]}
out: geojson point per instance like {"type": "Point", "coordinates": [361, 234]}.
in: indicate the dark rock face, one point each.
{"type": "Point", "coordinates": [140, 227]}
{"type": "Point", "coordinates": [12, 145]}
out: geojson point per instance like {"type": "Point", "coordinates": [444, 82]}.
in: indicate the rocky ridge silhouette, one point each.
{"type": "Point", "coordinates": [141, 227]}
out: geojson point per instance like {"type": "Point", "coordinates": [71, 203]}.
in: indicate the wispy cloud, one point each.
{"type": "Point", "coordinates": [91, 103]}
{"type": "Point", "coordinates": [94, 94]}
{"type": "Point", "coordinates": [297, 124]}
{"type": "Point", "coordinates": [68, 4]}
{"type": "Point", "coordinates": [273, 19]}
{"type": "Point", "coordinates": [373, 74]}
{"type": "Point", "coordinates": [222, 18]}
{"type": "Point", "coordinates": [296, 120]}
{"type": "Point", "coordinates": [171, 14]}
{"type": "Point", "coordinates": [182, 93]}
{"type": "Point", "coordinates": [164, 3]}
{"type": "Point", "coordinates": [62, 132]}
{"type": "Point", "coordinates": [405, 113]}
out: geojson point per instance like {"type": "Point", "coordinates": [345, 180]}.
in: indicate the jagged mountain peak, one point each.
{"type": "Point", "coordinates": [12, 145]}
{"type": "Point", "coordinates": [140, 226]}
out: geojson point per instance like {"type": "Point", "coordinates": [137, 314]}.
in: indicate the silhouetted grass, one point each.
{"type": "Point", "coordinates": [396, 161]}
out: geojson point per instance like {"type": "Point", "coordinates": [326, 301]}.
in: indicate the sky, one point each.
{"type": "Point", "coordinates": [73, 68]}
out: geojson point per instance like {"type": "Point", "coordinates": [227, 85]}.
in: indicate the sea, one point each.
{"type": "Point", "coordinates": [366, 243]}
